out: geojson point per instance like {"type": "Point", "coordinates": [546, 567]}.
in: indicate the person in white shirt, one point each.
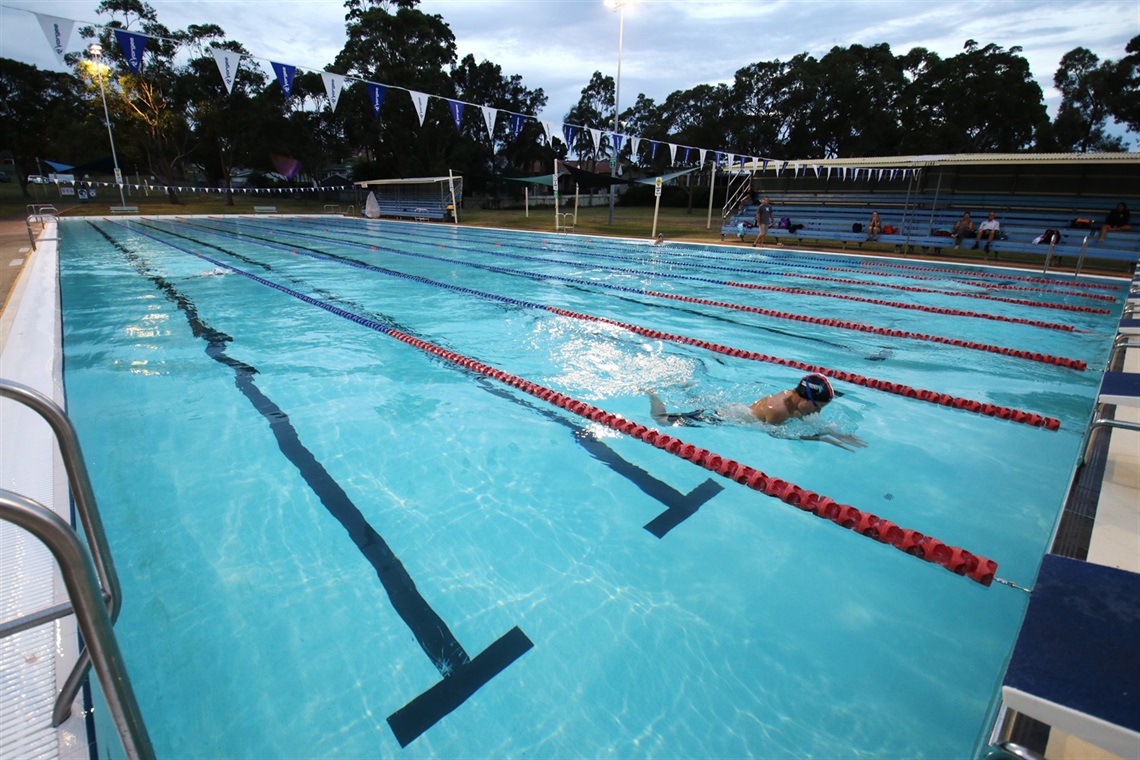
{"type": "Point", "coordinates": [987, 229]}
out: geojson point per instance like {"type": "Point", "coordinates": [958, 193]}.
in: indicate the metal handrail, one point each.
{"type": "Point", "coordinates": [88, 511]}
{"type": "Point", "coordinates": [79, 577]}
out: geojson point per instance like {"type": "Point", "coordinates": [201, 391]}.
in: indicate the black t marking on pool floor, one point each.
{"type": "Point", "coordinates": [462, 675]}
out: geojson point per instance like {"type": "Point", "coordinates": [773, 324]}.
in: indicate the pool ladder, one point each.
{"type": "Point", "coordinates": [90, 579]}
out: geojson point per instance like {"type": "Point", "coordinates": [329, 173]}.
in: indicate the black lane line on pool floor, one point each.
{"type": "Point", "coordinates": [678, 506]}
{"type": "Point", "coordinates": [462, 675]}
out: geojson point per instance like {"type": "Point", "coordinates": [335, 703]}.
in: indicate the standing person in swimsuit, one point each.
{"type": "Point", "coordinates": [810, 396]}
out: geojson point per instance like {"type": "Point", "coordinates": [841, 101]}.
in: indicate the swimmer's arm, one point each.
{"type": "Point", "coordinates": [842, 440]}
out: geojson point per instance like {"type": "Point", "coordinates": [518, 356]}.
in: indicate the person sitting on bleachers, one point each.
{"type": "Point", "coordinates": [875, 226]}
{"type": "Point", "coordinates": [987, 229]}
{"type": "Point", "coordinates": [962, 228]}
{"type": "Point", "coordinates": [1116, 221]}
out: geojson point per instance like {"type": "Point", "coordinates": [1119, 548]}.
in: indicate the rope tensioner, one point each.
{"type": "Point", "coordinates": [912, 542]}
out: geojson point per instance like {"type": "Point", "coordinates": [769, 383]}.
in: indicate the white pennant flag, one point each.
{"type": "Point", "coordinates": [634, 146]}
{"type": "Point", "coordinates": [334, 86]}
{"type": "Point", "coordinates": [701, 153]}
{"type": "Point", "coordinates": [672, 154]}
{"type": "Point", "coordinates": [420, 101]}
{"type": "Point", "coordinates": [228, 62]}
{"type": "Point", "coordinates": [549, 129]}
{"type": "Point", "coordinates": [596, 136]}
{"type": "Point", "coordinates": [57, 30]}
{"type": "Point", "coordinates": [489, 116]}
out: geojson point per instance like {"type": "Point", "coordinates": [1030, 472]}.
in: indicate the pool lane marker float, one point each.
{"type": "Point", "coordinates": [816, 293]}
{"type": "Point", "coordinates": [942, 399]}
{"type": "Point", "coordinates": [953, 558]}
{"type": "Point", "coordinates": [1076, 364]}
{"type": "Point", "coordinates": [1090, 285]}
{"type": "Point", "coordinates": [687, 258]}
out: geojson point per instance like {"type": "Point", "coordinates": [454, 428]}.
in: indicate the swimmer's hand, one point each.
{"type": "Point", "coordinates": [844, 441]}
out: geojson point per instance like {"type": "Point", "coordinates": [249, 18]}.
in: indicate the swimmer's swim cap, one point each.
{"type": "Point", "coordinates": [815, 388]}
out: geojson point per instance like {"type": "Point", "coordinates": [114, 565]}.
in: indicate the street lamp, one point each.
{"type": "Point", "coordinates": [95, 50]}
{"type": "Point", "coordinates": [619, 6]}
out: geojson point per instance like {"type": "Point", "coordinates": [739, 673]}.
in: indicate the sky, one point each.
{"type": "Point", "coordinates": [665, 45]}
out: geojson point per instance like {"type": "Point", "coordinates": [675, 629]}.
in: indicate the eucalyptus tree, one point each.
{"type": "Point", "coordinates": [491, 154]}
{"type": "Point", "coordinates": [148, 117]}
{"type": "Point", "coordinates": [394, 43]}
{"type": "Point", "coordinates": [35, 106]}
{"type": "Point", "coordinates": [1092, 93]}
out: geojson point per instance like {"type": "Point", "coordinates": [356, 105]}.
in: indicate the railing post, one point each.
{"type": "Point", "coordinates": [1081, 258]}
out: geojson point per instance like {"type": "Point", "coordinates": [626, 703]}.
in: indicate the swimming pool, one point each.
{"type": "Point", "coordinates": [340, 532]}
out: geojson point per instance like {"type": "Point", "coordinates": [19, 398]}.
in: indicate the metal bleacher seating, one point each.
{"type": "Point", "coordinates": [924, 225]}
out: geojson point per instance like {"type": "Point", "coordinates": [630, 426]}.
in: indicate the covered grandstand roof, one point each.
{"type": "Point", "coordinates": [408, 181]}
{"type": "Point", "coordinates": [956, 159]}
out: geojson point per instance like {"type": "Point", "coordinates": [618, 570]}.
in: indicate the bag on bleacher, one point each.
{"type": "Point", "coordinates": [856, 227]}
{"type": "Point", "coordinates": [890, 229]}
{"type": "Point", "coordinates": [1081, 224]}
{"type": "Point", "coordinates": [1047, 237]}
{"type": "Point", "coordinates": [784, 224]}
{"type": "Point", "coordinates": [942, 232]}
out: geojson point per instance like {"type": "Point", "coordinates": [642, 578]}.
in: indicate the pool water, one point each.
{"type": "Point", "coordinates": [334, 544]}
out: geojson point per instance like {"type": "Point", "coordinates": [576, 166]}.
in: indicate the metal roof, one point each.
{"type": "Point", "coordinates": [957, 159]}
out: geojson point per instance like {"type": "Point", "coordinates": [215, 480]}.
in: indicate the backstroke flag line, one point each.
{"type": "Point", "coordinates": [57, 30]}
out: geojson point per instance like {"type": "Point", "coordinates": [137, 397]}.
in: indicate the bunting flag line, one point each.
{"type": "Point", "coordinates": [58, 32]}
{"type": "Point", "coordinates": [285, 74]}
{"type": "Point", "coordinates": [228, 62]}
{"type": "Point", "coordinates": [132, 44]}
{"type": "Point", "coordinates": [489, 116]}
{"type": "Point", "coordinates": [376, 93]}
{"type": "Point", "coordinates": [419, 100]}
{"type": "Point", "coordinates": [334, 86]}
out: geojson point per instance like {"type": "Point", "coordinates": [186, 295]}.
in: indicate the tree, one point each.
{"type": "Point", "coordinates": [35, 107]}
{"type": "Point", "coordinates": [983, 100]}
{"type": "Point", "coordinates": [143, 106]}
{"type": "Point", "coordinates": [1087, 88]}
{"type": "Point", "coordinates": [410, 49]}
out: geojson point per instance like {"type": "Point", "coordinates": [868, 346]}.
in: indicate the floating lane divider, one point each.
{"type": "Point", "coordinates": [820, 294]}
{"type": "Point", "coordinates": [1090, 285]}
{"type": "Point", "coordinates": [953, 558]}
{"type": "Point", "coordinates": [1076, 364]}
{"type": "Point", "coordinates": [942, 399]}
{"type": "Point", "coordinates": [687, 259]}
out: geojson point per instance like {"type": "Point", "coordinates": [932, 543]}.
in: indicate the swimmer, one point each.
{"type": "Point", "coordinates": [212, 273]}
{"type": "Point", "coordinates": [810, 396]}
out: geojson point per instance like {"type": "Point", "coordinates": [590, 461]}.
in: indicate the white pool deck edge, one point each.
{"type": "Point", "coordinates": [34, 664]}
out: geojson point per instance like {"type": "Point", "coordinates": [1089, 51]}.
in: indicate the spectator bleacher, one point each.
{"type": "Point", "coordinates": [923, 224]}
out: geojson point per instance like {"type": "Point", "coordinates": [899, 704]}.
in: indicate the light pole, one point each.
{"type": "Point", "coordinates": [95, 50]}
{"type": "Point", "coordinates": [619, 6]}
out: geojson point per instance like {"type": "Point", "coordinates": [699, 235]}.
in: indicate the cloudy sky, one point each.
{"type": "Point", "coordinates": [668, 45]}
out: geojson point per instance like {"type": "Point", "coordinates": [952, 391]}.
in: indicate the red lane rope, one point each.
{"type": "Point", "coordinates": [982, 296]}
{"type": "Point", "coordinates": [959, 272]}
{"type": "Point", "coordinates": [972, 283]}
{"type": "Point", "coordinates": [897, 305]}
{"type": "Point", "coordinates": [942, 399]}
{"type": "Point", "coordinates": [1077, 364]}
{"type": "Point", "coordinates": [912, 542]}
